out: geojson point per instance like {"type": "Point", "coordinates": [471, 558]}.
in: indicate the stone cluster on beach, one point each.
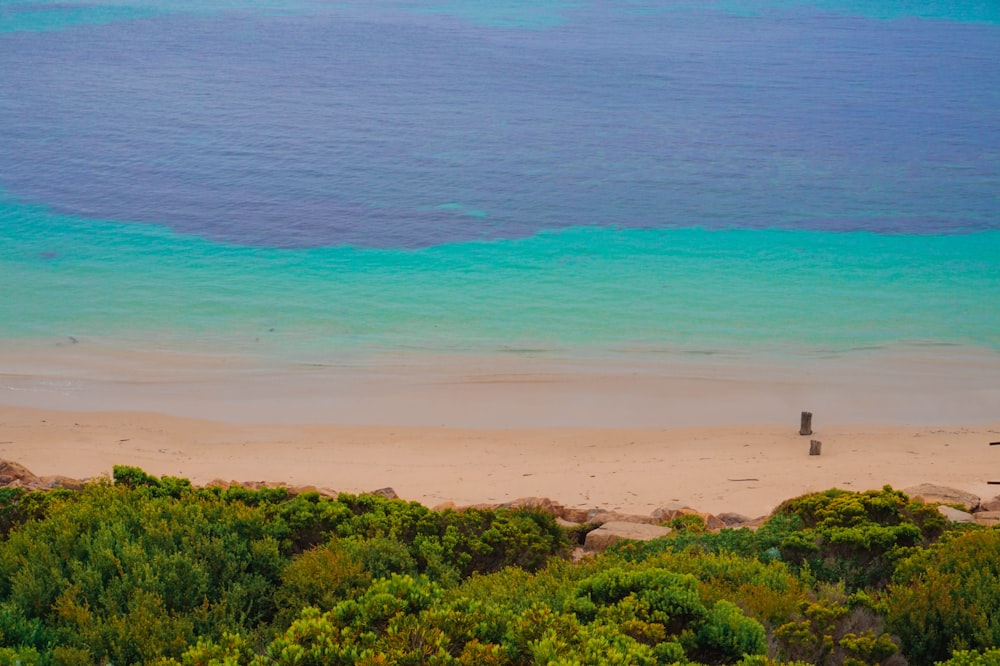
{"type": "Point", "coordinates": [598, 528]}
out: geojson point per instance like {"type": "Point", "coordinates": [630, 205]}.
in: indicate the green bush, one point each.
{"type": "Point", "coordinates": [972, 658]}
{"type": "Point", "coordinates": [857, 538]}
{"type": "Point", "coordinates": [947, 598]}
{"type": "Point", "coordinates": [131, 578]}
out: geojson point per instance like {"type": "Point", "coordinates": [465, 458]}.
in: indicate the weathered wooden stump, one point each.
{"type": "Point", "coordinates": [814, 447]}
{"type": "Point", "coordinates": [806, 427]}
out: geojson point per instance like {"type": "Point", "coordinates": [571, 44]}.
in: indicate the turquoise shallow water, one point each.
{"type": "Point", "coordinates": [585, 288]}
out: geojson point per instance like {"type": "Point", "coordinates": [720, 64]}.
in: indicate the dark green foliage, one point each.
{"type": "Point", "coordinates": [856, 538]}
{"type": "Point", "coordinates": [763, 543]}
{"type": "Point", "coordinates": [447, 545]}
{"type": "Point", "coordinates": [18, 506]}
{"type": "Point", "coordinates": [152, 570]}
{"type": "Point", "coordinates": [130, 578]}
{"type": "Point", "coordinates": [973, 658]}
{"type": "Point", "coordinates": [147, 567]}
{"type": "Point", "coordinates": [619, 616]}
{"type": "Point", "coordinates": [947, 597]}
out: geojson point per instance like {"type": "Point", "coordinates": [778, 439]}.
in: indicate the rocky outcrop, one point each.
{"type": "Point", "coordinates": [734, 519]}
{"type": "Point", "coordinates": [260, 485]}
{"type": "Point", "coordinates": [930, 493]}
{"type": "Point", "coordinates": [615, 531]}
{"type": "Point", "coordinates": [987, 518]}
{"type": "Point", "coordinates": [991, 505]}
{"type": "Point", "coordinates": [955, 515]}
{"type": "Point", "coordinates": [670, 512]}
{"type": "Point", "coordinates": [16, 475]}
{"type": "Point", "coordinates": [604, 517]}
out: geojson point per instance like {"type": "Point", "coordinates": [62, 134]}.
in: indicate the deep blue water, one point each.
{"type": "Point", "coordinates": [335, 171]}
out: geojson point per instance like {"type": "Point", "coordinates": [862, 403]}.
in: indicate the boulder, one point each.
{"type": "Point", "coordinates": [987, 518]}
{"type": "Point", "coordinates": [540, 503]}
{"type": "Point", "coordinates": [990, 505]}
{"type": "Point", "coordinates": [734, 519]}
{"type": "Point", "coordinates": [444, 506]}
{"type": "Point", "coordinates": [930, 493]}
{"type": "Point", "coordinates": [385, 492]}
{"type": "Point", "coordinates": [669, 512]}
{"type": "Point", "coordinates": [614, 531]}
{"type": "Point", "coordinates": [713, 523]}
{"type": "Point", "coordinates": [52, 482]}
{"type": "Point", "coordinates": [615, 517]}
{"type": "Point", "coordinates": [954, 515]}
{"type": "Point", "coordinates": [576, 515]}
{"type": "Point", "coordinates": [16, 475]}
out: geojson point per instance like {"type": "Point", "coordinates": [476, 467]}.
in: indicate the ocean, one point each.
{"type": "Point", "coordinates": [312, 184]}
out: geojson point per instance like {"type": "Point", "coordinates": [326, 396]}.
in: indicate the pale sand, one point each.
{"type": "Point", "coordinates": [626, 431]}
{"type": "Point", "coordinates": [747, 469]}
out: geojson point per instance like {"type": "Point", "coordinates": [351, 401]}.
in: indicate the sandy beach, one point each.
{"type": "Point", "coordinates": [747, 469]}
{"type": "Point", "coordinates": [628, 434]}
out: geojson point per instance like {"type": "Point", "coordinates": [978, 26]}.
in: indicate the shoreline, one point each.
{"type": "Point", "coordinates": [669, 388]}
{"type": "Point", "coordinates": [747, 469]}
{"type": "Point", "coordinates": [630, 432]}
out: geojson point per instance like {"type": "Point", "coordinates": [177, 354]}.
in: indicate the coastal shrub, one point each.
{"type": "Point", "coordinates": [767, 591]}
{"type": "Point", "coordinates": [729, 634]}
{"type": "Point", "coordinates": [131, 578]}
{"type": "Point", "coordinates": [152, 570]}
{"type": "Point", "coordinates": [833, 628]}
{"type": "Point", "coordinates": [763, 543]}
{"type": "Point", "coordinates": [617, 616]}
{"type": "Point", "coordinates": [446, 545]}
{"type": "Point", "coordinates": [146, 567]}
{"type": "Point", "coordinates": [972, 658]}
{"type": "Point", "coordinates": [321, 577]}
{"type": "Point", "coordinates": [18, 505]}
{"type": "Point", "coordinates": [947, 598]}
{"type": "Point", "coordinates": [857, 537]}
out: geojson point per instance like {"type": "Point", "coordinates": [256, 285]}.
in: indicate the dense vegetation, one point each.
{"type": "Point", "coordinates": [152, 570]}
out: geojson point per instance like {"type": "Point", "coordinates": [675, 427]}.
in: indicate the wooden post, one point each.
{"type": "Point", "coordinates": [814, 446]}
{"type": "Point", "coordinates": [806, 428]}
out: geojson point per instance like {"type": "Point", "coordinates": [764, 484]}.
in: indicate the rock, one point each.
{"type": "Point", "coordinates": [930, 493]}
{"type": "Point", "coordinates": [671, 511]}
{"type": "Point", "coordinates": [386, 492]}
{"type": "Point", "coordinates": [444, 506]}
{"type": "Point", "coordinates": [990, 505]}
{"type": "Point", "coordinates": [668, 513]}
{"type": "Point", "coordinates": [615, 531]}
{"type": "Point", "coordinates": [52, 482]}
{"type": "Point", "coordinates": [540, 503]}
{"type": "Point", "coordinates": [576, 515]}
{"type": "Point", "coordinates": [987, 518]}
{"type": "Point", "coordinates": [16, 475]}
{"type": "Point", "coordinates": [713, 523]}
{"type": "Point", "coordinates": [615, 517]}
{"type": "Point", "coordinates": [954, 515]}
{"type": "Point", "coordinates": [734, 519]}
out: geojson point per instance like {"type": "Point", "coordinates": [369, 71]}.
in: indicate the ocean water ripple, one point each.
{"type": "Point", "coordinates": [305, 179]}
